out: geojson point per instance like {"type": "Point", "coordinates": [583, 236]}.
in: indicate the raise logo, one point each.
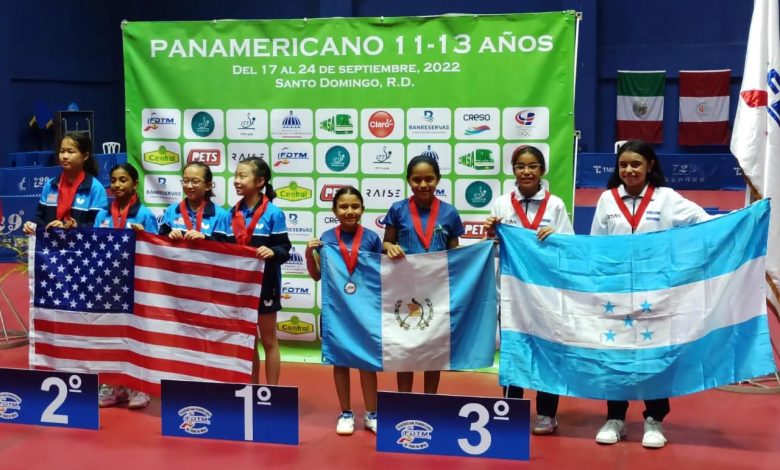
{"type": "Point", "coordinates": [473, 230]}
{"type": "Point", "coordinates": [525, 117]}
{"type": "Point", "coordinates": [211, 157]}
{"type": "Point", "coordinates": [381, 124]}
{"type": "Point", "coordinates": [328, 191]}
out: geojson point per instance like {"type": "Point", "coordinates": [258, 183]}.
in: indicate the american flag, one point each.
{"type": "Point", "coordinates": [139, 308]}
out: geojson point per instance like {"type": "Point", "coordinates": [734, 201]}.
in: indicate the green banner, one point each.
{"type": "Point", "coordinates": [329, 102]}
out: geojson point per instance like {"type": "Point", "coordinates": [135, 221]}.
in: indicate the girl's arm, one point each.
{"type": "Point", "coordinates": [313, 259]}
{"type": "Point", "coordinates": [390, 244]}
{"type": "Point", "coordinates": [599, 224]}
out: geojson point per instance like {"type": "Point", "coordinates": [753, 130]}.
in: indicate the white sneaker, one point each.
{"type": "Point", "coordinates": [654, 434]}
{"type": "Point", "coordinates": [369, 421]}
{"type": "Point", "coordinates": [545, 424]}
{"type": "Point", "coordinates": [346, 424]}
{"type": "Point", "coordinates": [138, 400]}
{"type": "Point", "coordinates": [612, 431]}
{"type": "Point", "coordinates": [111, 396]}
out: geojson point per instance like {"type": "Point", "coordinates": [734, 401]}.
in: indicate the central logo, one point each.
{"type": "Point", "coordinates": [10, 405]}
{"type": "Point", "coordinates": [337, 158]}
{"type": "Point", "coordinates": [295, 326]}
{"type": "Point", "coordinates": [195, 419]}
{"type": "Point", "coordinates": [416, 315]}
{"type": "Point", "coordinates": [202, 124]}
{"type": "Point", "coordinates": [161, 156]}
{"type": "Point", "coordinates": [479, 194]}
{"type": "Point", "coordinates": [293, 192]}
{"type": "Point", "coordinates": [412, 432]}
{"type": "Point", "coordinates": [381, 124]}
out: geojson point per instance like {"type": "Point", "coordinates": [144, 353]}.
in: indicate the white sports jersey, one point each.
{"type": "Point", "coordinates": [667, 209]}
{"type": "Point", "coordinates": [554, 215]}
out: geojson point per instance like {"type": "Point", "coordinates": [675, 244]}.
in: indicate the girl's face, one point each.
{"type": "Point", "coordinates": [348, 210]}
{"type": "Point", "coordinates": [528, 173]}
{"type": "Point", "coordinates": [71, 158]}
{"type": "Point", "coordinates": [245, 182]}
{"type": "Point", "coordinates": [423, 181]}
{"type": "Point", "coordinates": [122, 184]}
{"type": "Point", "coordinates": [193, 181]}
{"type": "Point", "coordinates": [633, 169]}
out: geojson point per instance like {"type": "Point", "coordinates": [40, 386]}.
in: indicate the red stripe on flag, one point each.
{"type": "Point", "coordinates": [196, 345]}
{"type": "Point", "coordinates": [755, 98]}
{"type": "Point", "coordinates": [197, 294]}
{"type": "Point", "coordinates": [204, 245]}
{"type": "Point", "coordinates": [703, 133]}
{"type": "Point", "coordinates": [649, 131]}
{"type": "Point", "coordinates": [705, 83]}
{"type": "Point", "coordinates": [198, 269]}
{"type": "Point", "coordinates": [195, 319]}
{"type": "Point", "coordinates": [192, 369]}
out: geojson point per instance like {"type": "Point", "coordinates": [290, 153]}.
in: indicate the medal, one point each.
{"type": "Point", "coordinates": [351, 256]}
{"type": "Point", "coordinates": [350, 288]}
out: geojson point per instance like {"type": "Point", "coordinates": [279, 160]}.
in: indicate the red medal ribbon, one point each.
{"type": "Point", "coordinates": [350, 257]}
{"type": "Point", "coordinates": [426, 237]}
{"type": "Point", "coordinates": [524, 217]}
{"type": "Point", "coordinates": [66, 195]}
{"type": "Point", "coordinates": [186, 215]}
{"type": "Point", "coordinates": [240, 230]}
{"type": "Point", "coordinates": [634, 220]}
{"type": "Point", "coordinates": [120, 216]}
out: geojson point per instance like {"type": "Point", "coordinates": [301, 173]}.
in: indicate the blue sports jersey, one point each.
{"type": "Point", "coordinates": [448, 226]}
{"type": "Point", "coordinates": [90, 199]}
{"type": "Point", "coordinates": [138, 214]}
{"type": "Point", "coordinates": [213, 216]}
{"type": "Point", "coordinates": [370, 241]}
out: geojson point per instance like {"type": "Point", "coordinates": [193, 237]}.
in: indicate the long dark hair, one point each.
{"type": "Point", "coordinates": [260, 168]}
{"type": "Point", "coordinates": [208, 176]}
{"type": "Point", "coordinates": [84, 144]}
{"type": "Point", "coordinates": [655, 176]}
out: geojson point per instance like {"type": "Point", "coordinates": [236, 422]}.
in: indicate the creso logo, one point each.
{"type": "Point", "coordinates": [202, 124]}
{"type": "Point", "coordinates": [328, 191]}
{"type": "Point", "coordinates": [479, 194]}
{"type": "Point", "coordinates": [525, 117]}
{"type": "Point", "coordinates": [211, 157]}
{"type": "Point", "coordinates": [337, 158]}
{"type": "Point", "coordinates": [381, 124]}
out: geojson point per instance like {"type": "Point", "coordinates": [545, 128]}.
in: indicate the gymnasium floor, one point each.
{"type": "Point", "coordinates": [713, 430]}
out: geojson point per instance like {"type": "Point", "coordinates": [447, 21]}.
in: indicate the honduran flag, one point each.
{"type": "Point", "coordinates": [704, 107]}
{"type": "Point", "coordinates": [432, 311]}
{"type": "Point", "coordinates": [640, 105]}
{"type": "Point", "coordinates": [636, 316]}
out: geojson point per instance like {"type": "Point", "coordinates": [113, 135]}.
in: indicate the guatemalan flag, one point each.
{"type": "Point", "coordinates": [637, 316]}
{"type": "Point", "coordinates": [431, 311]}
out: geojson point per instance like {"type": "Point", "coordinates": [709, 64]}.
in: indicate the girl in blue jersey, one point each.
{"type": "Point", "coordinates": [196, 216]}
{"type": "Point", "coordinates": [76, 196]}
{"type": "Point", "coordinates": [256, 222]}
{"type": "Point", "coordinates": [351, 237]}
{"type": "Point", "coordinates": [126, 210]}
{"type": "Point", "coordinates": [421, 224]}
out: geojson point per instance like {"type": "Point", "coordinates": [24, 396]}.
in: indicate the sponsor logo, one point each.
{"type": "Point", "coordinates": [154, 121]}
{"type": "Point", "coordinates": [241, 156]}
{"type": "Point", "coordinates": [479, 159]}
{"type": "Point", "coordinates": [10, 405]}
{"type": "Point", "coordinates": [390, 193]}
{"type": "Point", "coordinates": [328, 191]}
{"type": "Point", "coordinates": [525, 117]}
{"type": "Point", "coordinates": [414, 434]}
{"type": "Point", "coordinates": [289, 290]}
{"type": "Point", "coordinates": [162, 181]}
{"type": "Point", "coordinates": [379, 222]}
{"type": "Point", "coordinates": [22, 186]}
{"type": "Point", "coordinates": [161, 156]}
{"type": "Point", "coordinates": [415, 315]}
{"type": "Point", "coordinates": [11, 222]}
{"type": "Point", "coordinates": [474, 130]}
{"type": "Point", "coordinates": [285, 155]}
{"type": "Point", "coordinates": [247, 124]}
{"type": "Point", "coordinates": [338, 124]}
{"type": "Point", "coordinates": [211, 157]}
{"type": "Point", "coordinates": [384, 156]}
{"type": "Point", "coordinates": [479, 194]}
{"type": "Point", "coordinates": [337, 158]}
{"type": "Point", "coordinates": [427, 115]}
{"type": "Point", "coordinates": [295, 326]}
{"type": "Point", "coordinates": [291, 122]}
{"type": "Point", "coordinates": [295, 257]}
{"type": "Point", "coordinates": [381, 124]}
{"type": "Point", "coordinates": [203, 124]}
{"type": "Point", "coordinates": [195, 420]}
{"type": "Point", "coordinates": [293, 192]}
{"type": "Point", "coordinates": [295, 227]}
{"type": "Point", "coordinates": [473, 230]}
{"type": "Point", "coordinates": [640, 108]}
{"type": "Point", "coordinates": [329, 219]}
{"type": "Point", "coordinates": [476, 117]}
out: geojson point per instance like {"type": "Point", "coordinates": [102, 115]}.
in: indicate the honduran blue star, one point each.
{"type": "Point", "coordinates": [646, 306]}
{"type": "Point", "coordinates": [609, 307]}
{"type": "Point", "coordinates": [628, 321]}
{"type": "Point", "coordinates": [647, 334]}
{"type": "Point", "coordinates": [610, 335]}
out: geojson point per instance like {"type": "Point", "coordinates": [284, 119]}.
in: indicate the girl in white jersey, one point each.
{"type": "Point", "coordinates": [637, 201]}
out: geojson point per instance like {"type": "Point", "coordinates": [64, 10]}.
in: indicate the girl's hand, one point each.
{"type": "Point", "coordinates": [490, 226]}
{"type": "Point", "coordinates": [394, 251]}
{"type": "Point", "coordinates": [176, 234]}
{"type": "Point", "coordinates": [544, 232]}
{"type": "Point", "coordinates": [193, 235]}
{"type": "Point", "coordinates": [55, 224]}
{"type": "Point", "coordinates": [313, 243]}
{"type": "Point", "coordinates": [29, 228]}
{"type": "Point", "coordinates": [265, 253]}
{"type": "Point", "coordinates": [71, 223]}
{"type": "Point", "coordinates": [137, 227]}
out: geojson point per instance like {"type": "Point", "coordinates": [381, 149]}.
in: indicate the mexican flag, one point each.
{"type": "Point", "coordinates": [640, 105]}
{"type": "Point", "coordinates": [704, 107]}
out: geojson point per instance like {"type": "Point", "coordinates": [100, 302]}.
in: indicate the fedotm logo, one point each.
{"type": "Point", "coordinates": [10, 405]}
{"type": "Point", "coordinates": [195, 420]}
{"type": "Point", "coordinates": [414, 431]}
